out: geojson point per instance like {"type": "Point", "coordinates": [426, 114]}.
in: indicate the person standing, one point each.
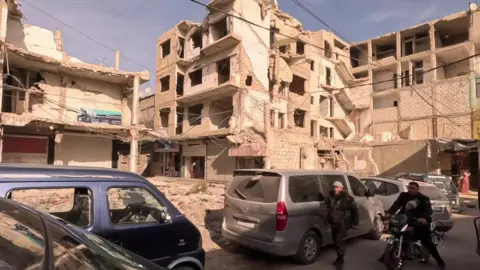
{"type": "Point", "coordinates": [465, 183]}
{"type": "Point", "coordinates": [342, 214]}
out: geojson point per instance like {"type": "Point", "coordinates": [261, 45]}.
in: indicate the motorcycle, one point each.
{"type": "Point", "coordinates": [398, 244]}
{"type": "Point", "coordinates": [476, 223]}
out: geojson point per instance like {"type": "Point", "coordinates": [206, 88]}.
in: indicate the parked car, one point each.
{"type": "Point", "coordinates": [388, 189]}
{"type": "Point", "coordinates": [442, 181]}
{"type": "Point", "coordinates": [35, 240]}
{"type": "Point", "coordinates": [121, 207]}
{"type": "Point", "coordinates": [281, 211]}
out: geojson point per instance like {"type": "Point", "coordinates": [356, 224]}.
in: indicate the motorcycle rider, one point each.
{"type": "Point", "coordinates": [342, 213]}
{"type": "Point", "coordinates": [421, 212]}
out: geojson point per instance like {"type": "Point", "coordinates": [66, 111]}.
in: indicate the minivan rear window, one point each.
{"type": "Point", "coordinates": [255, 186]}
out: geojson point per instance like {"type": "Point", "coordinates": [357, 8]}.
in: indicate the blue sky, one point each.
{"type": "Point", "coordinates": [134, 25]}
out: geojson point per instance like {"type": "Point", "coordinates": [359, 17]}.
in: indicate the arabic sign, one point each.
{"type": "Point", "coordinates": [99, 116]}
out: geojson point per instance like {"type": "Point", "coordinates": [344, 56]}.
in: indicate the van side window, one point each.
{"type": "Point", "coordinates": [71, 204]}
{"type": "Point", "coordinates": [358, 189]}
{"type": "Point", "coordinates": [326, 182]}
{"type": "Point", "coordinates": [305, 188]}
{"type": "Point", "coordinates": [135, 205]}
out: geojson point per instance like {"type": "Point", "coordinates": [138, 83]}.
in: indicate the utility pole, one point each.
{"type": "Point", "coordinates": [267, 127]}
{"type": "Point", "coordinates": [133, 128]}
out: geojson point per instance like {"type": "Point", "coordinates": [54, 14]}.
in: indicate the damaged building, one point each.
{"type": "Point", "coordinates": [264, 93]}
{"type": "Point", "coordinates": [57, 109]}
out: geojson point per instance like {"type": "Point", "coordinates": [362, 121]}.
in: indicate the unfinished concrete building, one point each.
{"type": "Point", "coordinates": [56, 109]}
{"type": "Point", "coordinates": [420, 88]}
{"type": "Point", "coordinates": [236, 95]}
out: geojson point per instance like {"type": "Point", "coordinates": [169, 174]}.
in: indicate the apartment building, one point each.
{"type": "Point", "coordinates": [421, 86]}
{"type": "Point", "coordinates": [57, 109]}
{"type": "Point", "coordinates": [249, 88]}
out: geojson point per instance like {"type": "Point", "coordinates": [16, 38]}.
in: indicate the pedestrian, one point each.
{"type": "Point", "coordinates": [465, 183]}
{"type": "Point", "coordinates": [342, 214]}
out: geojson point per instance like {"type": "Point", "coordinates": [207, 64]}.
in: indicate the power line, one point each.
{"type": "Point", "coordinates": [84, 34]}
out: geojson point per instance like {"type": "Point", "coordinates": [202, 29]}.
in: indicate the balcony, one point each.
{"type": "Point", "coordinates": [385, 115]}
{"type": "Point", "coordinates": [222, 90]}
{"type": "Point", "coordinates": [221, 44]}
{"type": "Point", "coordinates": [343, 125]}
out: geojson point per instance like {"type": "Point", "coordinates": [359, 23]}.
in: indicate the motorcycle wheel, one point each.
{"type": "Point", "coordinates": [392, 262]}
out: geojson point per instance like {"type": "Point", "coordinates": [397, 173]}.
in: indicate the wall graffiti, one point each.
{"type": "Point", "coordinates": [99, 116]}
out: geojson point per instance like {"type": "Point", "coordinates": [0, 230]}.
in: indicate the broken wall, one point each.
{"type": "Point", "coordinates": [290, 150]}
{"type": "Point", "coordinates": [219, 165]}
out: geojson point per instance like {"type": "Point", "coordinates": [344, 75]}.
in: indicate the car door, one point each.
{"type": "Point", "coordinates": [132, 220]}
{"type": "Point", "coordinates": [358, 191]}
{"type": "Point", "coordinates": [381, 191]}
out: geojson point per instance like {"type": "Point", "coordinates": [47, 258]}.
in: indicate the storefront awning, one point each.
{"type": "Point", "coordinates": [456, 145]}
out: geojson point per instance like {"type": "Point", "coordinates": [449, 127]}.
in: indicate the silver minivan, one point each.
{"type": "Point", "coordinates": [281, 212]}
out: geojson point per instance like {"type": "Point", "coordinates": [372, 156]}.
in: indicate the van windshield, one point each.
{"type": "Point", "coordinates": [255, 186]}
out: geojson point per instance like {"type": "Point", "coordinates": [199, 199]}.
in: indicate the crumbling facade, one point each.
{"type": "Point", "coordinates": [248, 88]}
{"type": "Point", "coordinates": [56, 109]}
{"type": "Point", "coordinates": [423, 85]}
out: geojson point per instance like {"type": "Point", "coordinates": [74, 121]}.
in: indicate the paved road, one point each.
{"type": "Point", "coordinates": [458, 251]}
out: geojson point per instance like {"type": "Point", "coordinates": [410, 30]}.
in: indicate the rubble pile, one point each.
{"type": "Point", "coordinates": [202, 204]}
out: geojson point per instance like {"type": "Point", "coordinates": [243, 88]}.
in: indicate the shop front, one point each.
{"type": "Point", "coordinates": [194, 154]}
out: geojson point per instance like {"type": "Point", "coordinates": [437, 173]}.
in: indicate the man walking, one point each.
{"type": "Point", "coordinates": [342, 214]}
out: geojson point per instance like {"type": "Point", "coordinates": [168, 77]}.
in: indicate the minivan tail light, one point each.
{"type": "Point", "coordinates": [282, 216]}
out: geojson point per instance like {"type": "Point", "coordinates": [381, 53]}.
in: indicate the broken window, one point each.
{"type": "Point", "coordinates": [408, 47]}
{"type": "Point", "coordinates": [385, 50]}
{"type": "Point", "coordinates": [179, 127]}
{"type": "Point", "coordinates": [327, 49]}
{"type": "Point", "coordinates": [165, 48]}
{"type": "Point", "coordinates": [451, 32]}
{"type": "Point", "coordinates": [312, 100]}
{"type": "Point", "coordinates": [300, 47]}
{"type": "Point", "coordinates": [165, 84]}
{"type": "Point", "coordinates": [223, 69]}
{"type": "Point", "coordinates": [331, 106]}
{"type": "Point", "coordinates": [219, 29]}
{"type": "Point", "coordinates": [15, 90]}
{"type": "Point", "coordinates": [406, 78]}
{"type": "Point", "coordinates": [395, 82]}
{"type": "Point", "coordinates": [248, 81]}
{"type": "Point", "coordinates": [181, 49]}
{"type": "Point", "coordinates": [478, 88]}
{"type": "Point", "coordinates": [332, 133]}
{"type": "Point", "coordinates": [221, 111]}
{"type": "Point", "coordinates": [272, 118]}
{"type": "Point", "coordinates": [418, 72]}
{"type": "Point", "coordinates": [196, 77]}
{"type": "Point", "coordinates": [323, 105]}
{"type": "Point", "coordinates": [299, 117]}
{"type": "Point", "coordinates": [395, 103]}
{"type": "Point", "coordinates": [180, 80]}
{"type": "Point", "coordinates": [328, 76]}
{"type": "Point", "coordinates": [197, 39]}
{"type": "Point", "coordinates": [297, 85]}
{"type": "Point", "coordinates": [195, 115]}
{"type": "Point", "coordinates": [312, 65]}
{"type": "Point", "coordinates": [283, 88]}
{"type": "Point", "coordinates": [313, 123]}
{"type": "Point", "coordinates": [164, 115]}
{"type": "Point", "coordinates": [324, 131]}
{"type": "Point", "coordinates": [284, 48]}
{"type": "Point", "coordinates": [281, 119]}
{"type": "Point", "coordinates": [272, 37]}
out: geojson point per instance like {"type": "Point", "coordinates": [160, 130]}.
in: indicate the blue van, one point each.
{"type": "Point", "coordinates": [121, 207]}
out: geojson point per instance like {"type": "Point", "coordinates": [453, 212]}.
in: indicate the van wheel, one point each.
{"type": "Point", "coordinates": [184, 267]}
{"type": "Point", "coordinates": [308, 249]}
{"type": "Point", "coordinates": [377, 230]}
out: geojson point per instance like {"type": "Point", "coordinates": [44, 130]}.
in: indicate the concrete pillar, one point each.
{"type": "Point", "coordinates": [268, 134]}
{"type": "Point", "coordinates": [369, 51]}
{"type": "Point", "coordinates": [117, 59]}
{"type": "Point", "coordinates": [431, 33]}
{"type": "Point", "coordinates": [206, 121]}
{"type": "Point", "coordinates": [275, 119]}
{"type": "Point", "coordinates": [133, 128]}
{"type": "Point", "coordinates": [399, 74]}
{"type": "Point", "coordinates": [398, 45]}
{"type": "Point", "coordinates": [58, 40]}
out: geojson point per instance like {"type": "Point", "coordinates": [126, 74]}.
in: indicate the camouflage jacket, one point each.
{"type": "Point", "coordinates": [342, 209]}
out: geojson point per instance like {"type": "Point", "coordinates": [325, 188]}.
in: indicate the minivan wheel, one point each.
{"type": "Point", "coordinates": [377, 230]}
{"type": "Point", "coordinates": [184, 267]}
{"type": "Point", "coordinates": [308, 249]}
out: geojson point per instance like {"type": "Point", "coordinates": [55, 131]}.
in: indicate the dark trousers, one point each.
{"type": "Point", "coordinates": [423, 234]}
{"type": "Point", "coordinates": [339, 236]}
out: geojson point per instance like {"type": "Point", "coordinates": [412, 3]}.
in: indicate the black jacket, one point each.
{"type": "Point", "coordinates": [423, 210]}
{"type": "Point", "coordinates": [342, 209]}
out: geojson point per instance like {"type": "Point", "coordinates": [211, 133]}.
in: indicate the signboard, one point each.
{"type": "Point", "coordinates": [99, 116]}
{"type": "Point", "coordinates": [165, 147]}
